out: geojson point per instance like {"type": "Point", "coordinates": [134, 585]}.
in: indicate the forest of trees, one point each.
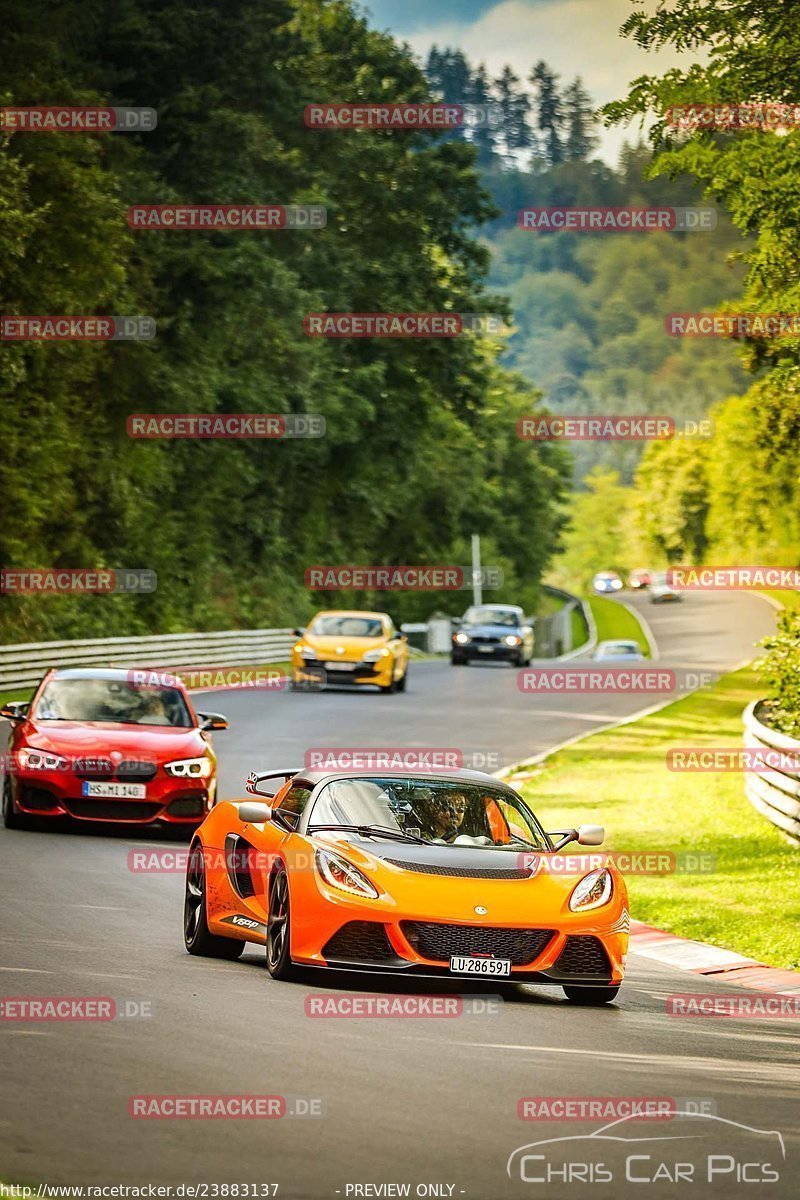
{"type": "Point", "coordinates": [421, 448]}
{"type": "Point", "coordinates": [589, 308]}
{"type": "Point", "coordinates": [736, 497]}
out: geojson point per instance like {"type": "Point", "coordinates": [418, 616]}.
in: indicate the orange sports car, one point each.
{"type": "Point", "coordinates": [405, 874]}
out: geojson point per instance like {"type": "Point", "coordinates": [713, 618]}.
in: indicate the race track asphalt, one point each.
{"type": "Point", "coordinates": [417, 1101]}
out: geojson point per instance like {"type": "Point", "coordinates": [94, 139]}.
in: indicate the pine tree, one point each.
{"type": "Point", "coordinates": [515, 105]}
{"type": "Point", "coordinates": [549, 112]}
{"type": "Point", "coordinates": [579, 122]}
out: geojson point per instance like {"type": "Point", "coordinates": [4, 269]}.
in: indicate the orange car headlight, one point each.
{"type": "Point", "coordinates": [343, 875]}
{"type": "Point", "coordinates": [593, 891]}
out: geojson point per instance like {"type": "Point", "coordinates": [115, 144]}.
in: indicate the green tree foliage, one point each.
{"type": "Point", "coordinates": [600, 534]}
{"type": "Point", "coordinates": [752, 54]}
{"type": "Point", "coordinates": [550, 113]}
{"type": "Point", "coordinates": [672, 500]}
{"type": "Point", "coordinates": [420, 449]}
{"type": "Point", "coordinates": [780, 667]}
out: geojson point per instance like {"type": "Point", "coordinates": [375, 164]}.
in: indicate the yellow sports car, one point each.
{"type": "Point", "coordinates": [349, 647]}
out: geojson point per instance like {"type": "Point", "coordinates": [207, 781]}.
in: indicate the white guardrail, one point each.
{"type": "Point", "coordinates": [775, 794]}
{"type": "Point", "coordinates": [23, 665]}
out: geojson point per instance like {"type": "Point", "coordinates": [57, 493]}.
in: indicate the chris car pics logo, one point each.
{"type": "Point", "coordinates": [697, 1148]}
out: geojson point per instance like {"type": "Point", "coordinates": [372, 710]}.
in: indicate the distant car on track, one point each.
{"type": "Point", "coordinates": [607, 581]}
{"type": "Point", "coordinates": [351, 647]}
{"type": "Point", "coordinates": [96, 745]}
{"type": "Point", "coordinates": [619, 651]}
{"type": "Point", "coordinates": [405, 875]}
{"type": "Point", "coordinates": [662, 592]}
{"type": "Point", "coordinates": [639, 579]}
{"type": "Point", "coordinates": [492, 631]}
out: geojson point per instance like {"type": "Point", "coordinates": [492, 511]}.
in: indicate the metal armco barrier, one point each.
{"type": "Point", "coordinates": [22, 666]}
{"type": "Point", "coordinates": [553, 633]}
{"type": "Point", "coordinates": [775, 794]}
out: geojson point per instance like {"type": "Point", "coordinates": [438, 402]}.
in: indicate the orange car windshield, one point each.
{"type": "Point", "coordinates": [442, 812]}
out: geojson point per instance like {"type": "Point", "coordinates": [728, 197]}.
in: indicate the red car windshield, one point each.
{"type": "Point", "coordinates": [114, 700]}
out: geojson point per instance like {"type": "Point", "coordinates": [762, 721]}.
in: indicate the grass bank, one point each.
{"type": "Point", "coordinates": [613, 622]}
{"type": "Point", "coordinates": [750, 901]}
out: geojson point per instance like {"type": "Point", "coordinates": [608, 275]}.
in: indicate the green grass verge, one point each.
{"type": "Point", "coordinates": [613, 621]}
{"type": "Point", "coordinates": [750, 902]}
{"type": "Point", "coordinates": [786, 599]}
{"type": "Point", "coordinates": [9, 697]}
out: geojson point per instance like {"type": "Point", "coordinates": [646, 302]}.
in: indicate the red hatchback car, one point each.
{"type": "Point", "coordinates": [95, 745]}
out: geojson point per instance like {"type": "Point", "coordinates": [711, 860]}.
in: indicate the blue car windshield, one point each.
{"type": "Point", "coordinates": [491, 616]}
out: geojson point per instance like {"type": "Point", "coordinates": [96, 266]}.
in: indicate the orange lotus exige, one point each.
{"type": "Point", "coordinates": [405, 875]}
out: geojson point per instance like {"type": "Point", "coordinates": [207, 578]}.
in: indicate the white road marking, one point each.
{"type": "Point", "coordinates": [100, 907]}
{"type": "Point", "coordinates": [557, 712]}
{"type": "Point", "coordinates": [648, 1061]}
{"type": "Point", "coordinates": [27, 970]}
{"type": "Point", "coordinates": [30, 1033]}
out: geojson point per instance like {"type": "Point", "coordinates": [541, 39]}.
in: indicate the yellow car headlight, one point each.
{"type": "Point", "coordinates": [376, 655]}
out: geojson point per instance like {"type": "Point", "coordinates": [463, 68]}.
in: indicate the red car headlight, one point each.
{"type": "Point", "coordinates": [41, 760]}
{"type": "Point", "coordinates": [190, 768]}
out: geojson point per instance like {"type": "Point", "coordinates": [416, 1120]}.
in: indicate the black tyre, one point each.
{"type": "Point", "coordinates": [196, 935]}
{"type": "Point", "coordinates": [400, 685]}
{"type": "Point", "coordinates": [279, 931]}
{"type": "Point", "coordinates": [11, 818]}
{"type": "Point", "coordinates": [457, 661]}
{"type": "Point", "coordinates": [591, 995]}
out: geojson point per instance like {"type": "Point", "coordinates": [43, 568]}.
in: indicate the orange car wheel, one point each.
{"type": "Point", "coordinates": [196, 934]}
{"type": "Point", "coordinates": [279, 962]}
